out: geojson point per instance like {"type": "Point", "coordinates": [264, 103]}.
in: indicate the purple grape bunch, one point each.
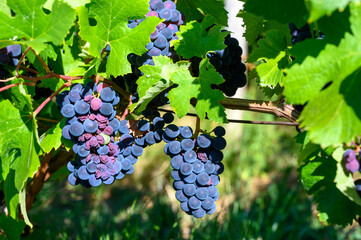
{"type": "Point", "coordinates": [196, 166]}
{"type": "Point", "coordinates": [351, 162]}
{"type": "Point", "coordinates": [228, 63]}
{"type": "Point", "coordinates": [103, 145]}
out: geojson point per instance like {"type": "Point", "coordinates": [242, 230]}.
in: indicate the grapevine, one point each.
{"type": "Point", "coordinates": [88, 85]}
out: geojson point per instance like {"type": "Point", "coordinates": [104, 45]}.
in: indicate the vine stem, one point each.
{"type": "Point", "coordinates": [198, 127]}
{"type": "Point", "coordinates": [46, 68]}
{"type": "Point", "coordinates": [278, 108]}
{"type": "Point", "coordinates": [244, 121]}
{"type": "Point", "coordinates": [21, 59]}
{"type": "Point", "coordinates": [16, 84]}
{"type": "Point", "coordinates": [67, 84]}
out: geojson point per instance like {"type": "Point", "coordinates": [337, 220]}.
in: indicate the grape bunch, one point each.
{"type": "Point", "coordinates": [196, 167]}
{"type": "Point", "coordinates": [352, 164]}
{"type": "Point", "coordinates": [9, 55]}
{"type": "Point", "coordinates": [228, 63]}
{"type": "Point", "coordinates": [101, 155]}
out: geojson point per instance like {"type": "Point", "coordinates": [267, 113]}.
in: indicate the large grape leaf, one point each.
{"type": "Point", "coordinates": [19, 148]}
{"type": "Point", "coordinates": [110, 27]}
{"type": "Point", "coordinates": [272, 49]}
{"type": "Point", "coordinates": [319, 8]}
{"type": "Point", "coordinates": [253, 25]}
{"type": "Point", "coordinates": [32, 27]}
{"type": "Point", "coordinates": [12, 228]}
{"type": "Point", "coordinates": [283, 11]}
{"type": "Point", "coordinates": [197, 9]}
{"type": "Point", "coordinates": [156, 79]}
{"type": "Point", "coordinates": [196, 39]}
{"type": "Point", "coordinates": [332, 115]}
{"type": "Point", "coordinates": [199, 88]}
{"type": "Point", "coordinates": [332, 187]}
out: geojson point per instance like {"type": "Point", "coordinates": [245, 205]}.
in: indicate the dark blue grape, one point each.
{"type": "Point", "coordinates": [175, 175]}
{"type": "Point", "coordinates": [201, 193]}
{"type": "Point", "coordinates": [73, 180]}
{"type": "Point", "coordinates": [207, 203]}
{"type": "Point", "coordinates": [171, 131]}
{"type": "Point", "coordinates": [190, 156]}
{"type": "Point", "coordinates": [174, 147]}
{"type": "Point", "coordinates": [65, 132]}
{"type": "Point", "coordinates": [212, 191]}
{"type": "Point", "coordinates": [161, 42]}
{"type": "Point", "coordinates": [194, 203]}
{"type": "Point", "coordinates": [127, 151]}
{"type": "Point", "coordinates": [189, 190]}
{"type": "Point", "coordinates": [209, 167]}
{"type": "Point", "coordinates": [120, 176]}
{"type": "Point", "coordinates": [176, 16]}
{"type": "Point", "coordinates": [83, 173]}
{"type": "Point", "coordinates": [106, 109]}
{"type": "Point", "coordinates": [103, 150]}
{"type": "Point", "coordinates": [178, 185]}
{"type": "Point", "coordinates": [110, 180]}
{"type": "Point", "coordinates": [215, 156]}
{"type": "Point", "coordinates": [74, 96]}
{"type": "Point", "coordinates": [166, 14]}
{"type": "Point", "coordinates": [203, 179]}
{"type": "Point", "coordinates": [186, 169]}
{"type": "Point", "coordinates": [219, 143]}
{"type": "Point", "coordinates": [68, 111]}
{"type": "Point", "coordinates": [191, 178]}
{"type": "Point", "coordinates": [91, 167]}
{"type": "Point", "coordinates": [186, 132]}
{"type": "Point", "coordinates": [90, 126]}
{"type": "Point", "coordinates": [93, 181]}
{"type": "Point", "coordinates": [71, 166]}
{"type": "Point", "coordinates": [143, 125]}
{"type": "Point", "coordinates": [107, 94]}
{"type": "Point", "coordinates": [158, 122]}
{"type": "Point", "coordinates": [76, 129]}
{"type": "Point", "coordinates": [184, 206]}
{"type": "Point", "coordinates": [149, 138]}
{"type": "Point", "coordinates": [176, 161]}
{"type": "Point", "coordinates": [215, 179]}
{"type": "Point", "coordinates": [137, 151]}
{"type": "Point", "coordinates": [115, 124]}
{"type": "Point", "coordinates": [14, 50]}
{"type": "Point", "coordinates": [140, 141]}
{"type": "Point", "coordinates": [126, 164]}
{"type": "Point", "coordinates": [219, 131]}
{"type": "Point", "coordinates": [219, 168]}
{"type": "Point", "coordinates": [61, 97]}
{"type": "Point", "coordinates": [204, 140]}
{"type": "Point", "coordinates": [199, 213]}
{"type": "Point", "coordinates": [168, 117]}
{"type": "Point", "coordinates": [81, 107]}
{"type": "Point", "coordinates": [198, 167]}
{"type": "Point", "coordinates": [187, 144]}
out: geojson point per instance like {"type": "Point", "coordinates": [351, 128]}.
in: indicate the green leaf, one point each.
{"type": "Point", "coordinates": [73, 3]}
{"type": "Point", "coordinates": [4, 8]}
{"type": "Point", "coordinates": [323, 177]}
{"type": "Point", "coordinates": [286, 11]}
{"type": "Point", "coordinates": [254, 25]}
{"type": "Point", "coordinates": [12, 228]}
{"type": "Point", "coordinates": [33, 25]}
{"type": "Point", "coordinates": [319, 8]}
{"type": "Point", "coordinates": [197, 9]}
{"type": "Point", "coordinates": [156, 79]}
{"type": "Point", "coordinates": [271, 49]}
{"type": "Point", "coordinates": [52, 137]}
{"type": "Point", "coordinates": [18, 138]}
{"type": "Point", "coordinates": [199, 88]}
{"type": "Point", "coordinates": [337, 119]}
{"type": "Point", "coordinates": [111, 17]}
{"type": "Point", "coordinates": [195, 41]}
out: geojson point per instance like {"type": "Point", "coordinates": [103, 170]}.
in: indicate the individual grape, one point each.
{"type": "Point", "coordinates": [76, 129]}
{"type": "Point", "coordinates": [126, 164]}
{"type": "Point", "coordinates": [110, 180]}
{"type": "Point", "coordinates": [178, 185]}
{"type": "Point", "coordinates": [126, 139]}
{"type": "Point", "coordinates": [176, 161]}
{"type": "Point", "coordinates": [189, 190]}
{"type": "Point", "coordinates": [174, 147]}
{"type": "Point", "coordinates": [127, 151]}
{"type": "Point", "coordinates": [218, 168]}
{"type": "Point", "coordinates": [107, 94]}
{"type": "Point", "coordinates": [212, 191]}
{"type": "Point", "coordinates": [137, 151]}
{"type": "Point", "coordinates": [191, 178]}
{"type": "Point", "coordinates": [184, 206]}
{"type": "Point", "coordinates": [167, 33]}
{"type": "Point", "coordinates": [203, 179]}
{"type": "Point", "coordinates": [158, 122]}
{"type": "Point", "coordinates": [186, 132]}
{"type": "Point", "coordinates": [83, 173]}
{"type": "Point", "coordinates": [219, 131]}
{"type": "Point", "coordinates": [74, 96]}
{"type": "Point", "coordinates": [176, 16]}
{"type": "Point", "coordinates": [194, 203]}
{"type": "Point", "coordinates": [171, 131]}
{"type": "Point", "coordinates": [213, 209]}
{"type": "Point", "coordinates": [95, 104]}
{"type": "Point", "coordinates": [14, 50]}
{"type": "Point", "coordinates": [115, 124]}
{"type": "Point", "coordinates": [203, 141]}
{"type": "Point", "coordinates": [168, 117]}
{"type": "Point", "coordinates": [91, 167]}
{"type": "Point", "coordinates": [106, 109]}
{"type": "Point", "coordinates": [186, 169]}
{"type": "Point", "coordinates": [68, 110]}
{"type": "Point", "coordinates": [70, 166]}
{"type": "Point", "coordinates": [161, 42]}
{"type": "Point", "coordinates": [149, 138]}
{"type": "Point", "coordinates": [81, 107]}
{"type": "Point", "coordinates": [120, 176]}
{"type": "Point", "coordinates": [93, 181]}
{"type": "Point", "coordinates": [187, 144]}
{"type": "Point", "coordinates": [207, 203]}
{"type": "Point", "coordinates": [198, 167]}
{"type": "Point", "coordinates": [201, 193]}
{"type": "Point", "coordinates": [65, 132]}
{"type": "Point", "coordinates": [73, 180]}
{"type": "Point", "coordinates": [190, 156]}
{"type": "Point", "coordinates": [90, 126]}
{"type": "Point", "coordinates": [199, 213]}
{"type": "Point", "coordinates": [209, 167]}
{"type": "Point", "coordinates": [219, 143]}
{"type": "Point", "coordinates": [352, 166]}
{"type": "Point", "coordinates": [140, 141]}
{"type": "Point", "coordinates": [169, 4]}
{"type": "Point", "coordinates": [175, 175]}
{"type": "Point", "coordinates": [143, 125]}
{"type": "Point", "coordinates": [180, 196]}
{"type": "Point", "coordinates": [215, 156]}
{"type": "Point", "coordinates": [215, 179]}
{"type": "Point", "coordinates": [103, 150]}
{"type": "Point", "coordinates": [61, 98]}
{"type": "Point", "coordinates": [82, 151]}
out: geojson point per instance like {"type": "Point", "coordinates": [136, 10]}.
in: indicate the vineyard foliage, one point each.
{"type": "Point", "coordinates": [64, 41]}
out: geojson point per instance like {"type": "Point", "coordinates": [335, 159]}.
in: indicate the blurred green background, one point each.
{"type": "Point", "coordinates": [261, 197]}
